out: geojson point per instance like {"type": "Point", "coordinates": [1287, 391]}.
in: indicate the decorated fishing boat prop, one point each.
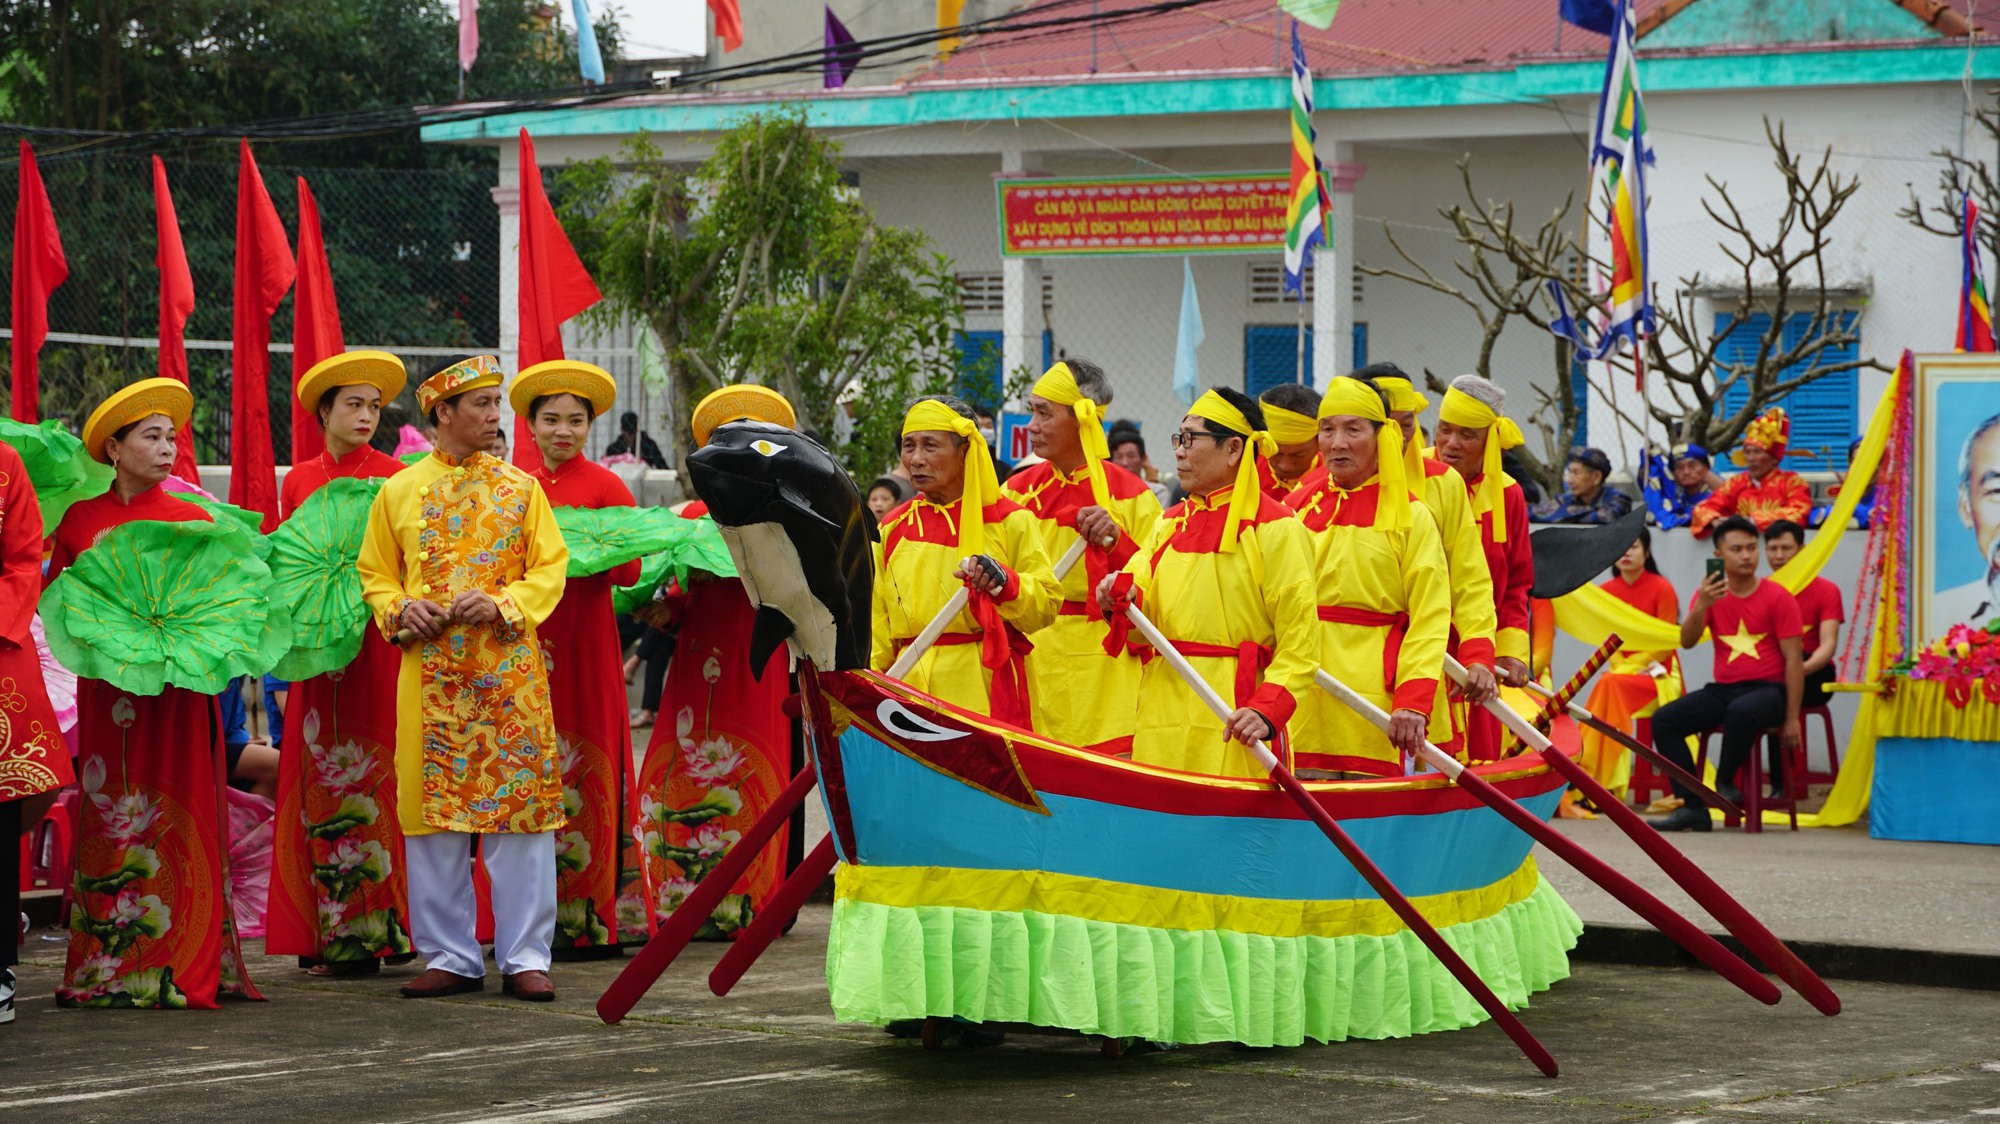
{"type": "Point", "coordinates": [988, 874]}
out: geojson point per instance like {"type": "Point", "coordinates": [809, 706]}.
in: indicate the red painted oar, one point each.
{"type": "Point", "coordinates": [769, 925]}
{"type": "Point", "coordinates": [1703, 947]}
{"type": "Point", "coordinates": [1761, 942]}
{"type": "Point", "coordinates": [680, 927]}
{"type": "Point", "coordinates": [1372, 874]}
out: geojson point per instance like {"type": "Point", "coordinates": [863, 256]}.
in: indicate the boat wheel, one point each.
{"type": "Point", "coordinates": [933, 1035]}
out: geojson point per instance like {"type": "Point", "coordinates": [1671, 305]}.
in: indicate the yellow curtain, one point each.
{"type": "Point", "coordinates": [947, 17]}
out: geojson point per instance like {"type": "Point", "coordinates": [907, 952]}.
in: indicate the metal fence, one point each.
{"type": "Point", "coordinates": [414, 255]}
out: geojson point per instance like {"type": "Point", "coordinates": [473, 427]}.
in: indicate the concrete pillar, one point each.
{"type": "Point", "coordinates": [1020, 288]}
{"type": "Point", "coordinates": [1333, 273]}
{"type": "Point", "coordinates": [507, 199]}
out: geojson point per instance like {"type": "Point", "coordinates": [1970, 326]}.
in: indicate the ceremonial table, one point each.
{"type": "Point", "coordinates": [1934, 763]}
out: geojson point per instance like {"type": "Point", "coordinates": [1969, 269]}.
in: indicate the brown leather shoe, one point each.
{"type": "Point", "coordinates": [532, 986]}
{"type": "Point", "coordinates": [435, 982]}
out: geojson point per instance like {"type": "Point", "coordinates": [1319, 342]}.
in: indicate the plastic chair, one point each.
{"type": "Point", "coordinates": [1647, 782]}
{"type": "Point", "coordinates": [1831, 774]}
{"type": "Point", "coordinates": [1753, 785]}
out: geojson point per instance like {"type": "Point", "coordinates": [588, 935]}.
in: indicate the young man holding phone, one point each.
{"type": "Point", "coordinates": [1759, 673]}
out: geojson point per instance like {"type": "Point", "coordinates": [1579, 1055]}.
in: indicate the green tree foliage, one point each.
{"type": "Point", "coordinates": [142, 65]}
{"type": "Point", "coordinates": [763, 266]}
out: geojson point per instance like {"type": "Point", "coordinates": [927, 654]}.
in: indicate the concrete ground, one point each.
{"type": "Point", "coordinates": [1635, 1043]}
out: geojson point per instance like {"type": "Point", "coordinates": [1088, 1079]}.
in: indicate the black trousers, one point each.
{"type": "Point", "coordinates": [10, 883]}
{"type": "Point", "coordinates": [1743, 710]}
{"type": "Point", "coordinates": [656, 648]}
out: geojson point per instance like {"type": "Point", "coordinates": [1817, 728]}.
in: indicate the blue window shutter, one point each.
{"type": "Point", "coordinates": [1271, 356]}
{"type": "Point", "coordinates": [979, 377]}
{"type": "Point", "coordinates": [1825, 413]}
{"type": "Point", "coordinates": [1360, 346]}
{"type": "Point", "coordinates": [1048, 349]}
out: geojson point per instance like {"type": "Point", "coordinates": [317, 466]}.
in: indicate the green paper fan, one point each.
{"type": "Point", "coordinates": [156, 603]}
{"type": "Point", "coordinates": [412, 458]}
{"type": "Point", "coordinates": [58, 467]}
{"type": "Point", "coordinates": [237, 518]}
{"type": "Point", "coordinates": [701, 549]}
{"type": "Point", "coordinates": [313, 555]}
{"type": "Point", "coordinates": [602, 537]}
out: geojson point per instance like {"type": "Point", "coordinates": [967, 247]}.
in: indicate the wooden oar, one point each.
{"type": "Point", "coordinates": [1400, 905]}
{"type": "Point", "coordinates": [680, 927]}
{"type": "Point", "coordinates": [1761, 942]}
{"type": "Point", "coordinates": [1708, 795]}
{"type": "Point", "coordinates": [955, 605]}
{"type": "Point", "coordinates": [769, 925]}
{"type": "Point", "coordinates": [1685, 933]}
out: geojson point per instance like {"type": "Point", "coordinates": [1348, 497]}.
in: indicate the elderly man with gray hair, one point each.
{"type": "Point", "coordinates": [1471, 435]}
{"type": "Point", "coordinates": [1976, 602]}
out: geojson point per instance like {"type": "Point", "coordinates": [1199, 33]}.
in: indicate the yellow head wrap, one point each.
{"type": "Point", "coordinates": [1352, 398]}
{"type": "Point", "coordinates": [1058, 385]}
{"type": "Point", "coordinates": [1403, 396]}
{"type": "Point", "coordinates": [982, 484]}
{"type": "Point", "coordinates": [1247, 496]}
{"type": "Point", "coordinates": [1462, 409]}
{"type": "Point", "coordinates": [1289, 427]}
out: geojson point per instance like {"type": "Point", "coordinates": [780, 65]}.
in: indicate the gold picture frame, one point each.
{"type": "Point", "coordinates": [1957, 398]}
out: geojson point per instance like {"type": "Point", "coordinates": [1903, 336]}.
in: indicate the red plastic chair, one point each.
{"type": "Point", "coordinates": [1647, 782]}
{"type": "Point", "coordinates": [1753, 783]}
{"type": "Point", "coordinates": [1831, 774]}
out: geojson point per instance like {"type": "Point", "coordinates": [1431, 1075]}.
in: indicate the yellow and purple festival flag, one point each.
{"type": "Point", "coordinates": [1619, 157]}
{"type": "Point", "coordinates": [1305, 215]}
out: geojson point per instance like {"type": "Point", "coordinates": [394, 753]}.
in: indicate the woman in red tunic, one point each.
{"type": "Point", "coordinates": [1635, 683]}
{"type": "Point", "coordinates": [561, 399]}
{"type": "Point", "coordinates": [340, 898]}
{"type": "Point", "coordinates": [722, 749]}
{"type": "Point", "coordinates": [34, 761]}
{"type": "Point", "coordinates": [151, 926]}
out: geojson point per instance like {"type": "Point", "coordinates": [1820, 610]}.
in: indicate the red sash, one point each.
{"type": "Point", "coordinates": [1396, 623]}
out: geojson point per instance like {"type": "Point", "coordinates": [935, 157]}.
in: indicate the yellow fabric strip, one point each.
{"type": "Point", "coordinates": [1289, 427]}
{"type": "Point", "coordinates": [1462, 409]}
{"type": "Point", "coordinates": [1352, 398]}
{"type": "Point", "coordinates": [1121, 903]}
{"type": "Point", "coordinates": [1247, 497]}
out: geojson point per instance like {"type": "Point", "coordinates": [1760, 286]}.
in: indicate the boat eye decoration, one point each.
{"type": "Point", "coordinates": [906, 723]}
{"type": "Point", "coordinates": [768, 448]}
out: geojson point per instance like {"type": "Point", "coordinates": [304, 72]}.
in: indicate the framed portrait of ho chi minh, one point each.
{"type": "Point", "coordinates": [1955, 501]}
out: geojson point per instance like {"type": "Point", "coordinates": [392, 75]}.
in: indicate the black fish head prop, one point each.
{"type": "Point", "coordinates": [800, 533]}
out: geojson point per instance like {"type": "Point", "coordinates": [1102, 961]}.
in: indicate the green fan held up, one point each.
{"type": "Point", "coordinates": [153, 604]}
{"type": "Point", "coordinates": [58, 466]}
{"type": "Point", "coordinates": [602, 537]}
{"type": "Point", "coordinates": [700, 548]}
{"type": "Point", "coordinates": [312, 560]}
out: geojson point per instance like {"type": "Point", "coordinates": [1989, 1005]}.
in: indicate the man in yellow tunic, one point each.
{"type": "Point", "coordinates": [1383, 591]}
{"type": "Point", "coordinates": [1228, 577]}
{"type": "Point", "coordinates": [462, 561]}
{"type": "Point", "coordinates": [1473, 621]}
{"type": "Point", "coordinates": [959, 530]}
{"type": "Point", "coordinates": [1083, 695]}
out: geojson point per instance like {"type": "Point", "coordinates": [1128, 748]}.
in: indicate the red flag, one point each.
{"type": "Point", "coordinates": [315, 324]}
{"type": "Point", "coordinates": [728, 23]}
{"type": "Point", "coordinates": [554, 286]}
{"type": "Point", "coordinates": [38, 268]}
{"type": "Point", "coordinates": [264, 270]}
{"type": "Point", "coordinates": [176, 302]}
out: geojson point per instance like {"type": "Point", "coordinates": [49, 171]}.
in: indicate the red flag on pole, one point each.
{"type": "Point", "coordinates": [728, 23]}
{"type": "Point", "coordinates": [315, 324]}
{"type": "Point", "coordinates": [264, 270]}
{"type": "Point", "coordinates": [38, 268]}
{"type": "Point", "coordinates": [176, 302]}
{"type": "Point", "coordinates": [554, 286]}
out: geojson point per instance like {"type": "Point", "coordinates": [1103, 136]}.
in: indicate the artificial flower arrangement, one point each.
{"type": "Point", "coordinates": [1966, 659]}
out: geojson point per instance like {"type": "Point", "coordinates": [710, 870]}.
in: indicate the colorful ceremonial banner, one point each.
{"type": "Point", "coordinates": [1975, 316]}
{"type": "Point", "coordinates": [1306, 205]}
{"type": "Point", "coordinates": [1232, 213]}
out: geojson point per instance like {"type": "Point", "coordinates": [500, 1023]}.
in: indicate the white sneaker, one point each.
{"type": "Point", "coordinates": [6, 995]}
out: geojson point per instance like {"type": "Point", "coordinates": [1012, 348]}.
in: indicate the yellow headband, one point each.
{"type": "Point", "coordinates": [1462, 409]}
{"type": "Point", "coordinates": [1058, 385]}
{"type": "Point", "coordinates": [1247, 496]}
{"type": "Point", "coordinates": [1403, 398]}
{"type": "Point", "coordinates": [1352, 398]}
{"type": "Point", "coordinates": [1289, 427]}
{"type": "Point", "coordinates": [982, 484]}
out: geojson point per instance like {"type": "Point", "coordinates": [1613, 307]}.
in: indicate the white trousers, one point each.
{"type": "Point", "coordinates": [444, 915]}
